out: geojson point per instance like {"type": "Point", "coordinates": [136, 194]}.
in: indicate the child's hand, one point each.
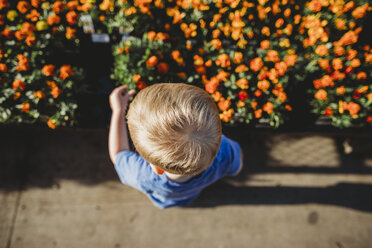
{"type": "Point", "coordinates": [119, 99]}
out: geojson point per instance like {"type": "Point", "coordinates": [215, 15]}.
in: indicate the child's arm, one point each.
{"type": "Point", "coordinates": [118, 135]}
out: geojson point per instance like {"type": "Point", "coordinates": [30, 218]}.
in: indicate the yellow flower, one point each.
{"type": "Point", "coordinates": [41, 25]}
{"type": "Point", "coordinates": [11, 15]}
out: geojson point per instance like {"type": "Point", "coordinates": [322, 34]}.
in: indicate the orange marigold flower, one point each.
{"type": "Point", "coordinates": [141, 85]}
{"type": "Point", "coordinates": [226, 116]}
{"type": "Point", "coordinates": [65, 71]}
{"type": "Point", "coordinates": [272, 56]}
{"type": "Point", "coordinates": [151, 35]}
{"type": "Point", "coordinates": [281, 67]}
{"type": "Point", "coordinates": [16, 95]}
{"type": "Point", "coordinates": [256, 64]}
{"type": "Point", "coordinates": [353, 108]}
{"type": "Point", "coordinates": [240, 104]}
{"type": "Point", "coordinates": [216, 43]}
{"type": "Point", "coordinates": [360, 11]}
{"type": "Point", "coordinates": [3, 67]}
{"type": "Point", "coordinates": [268, 108]}
{"type": "Point", "coordinates": [287, 12]}
{"type": "Point", "coordinates": [263, 85]}
{"type": "Point", "coordinates": [326, 81]}
{"type": "Point", "coordinates": [238, 57]}
{"type": "Point", "coordinates": [208, 63]}
{"type": "Point", "coordinates": [265, 44]}
{"type": "Point", "coordinates": [323, 63]}
{"type": "Point", "coordinates": [258, 113]}
{"type": "Point", "coordinates": [136, 78]}
{"type": "Point", "coordinates": [52, 124]}
{"type": "Point", "coordinates": [198, 61]}
{"type": "Point", "coordinates": [22, 63]}
{"type": "Point", "coordinates": [223, 60]}
{"type": "Point", "coordinates": [181, 75]}
{"type": "Point", "coordinates": [58, 7]}
{"type": "Point", "coordinates": [265, 31]}
{"type": "Point", "coordinates": [216, 33]}
{"type": "Point", "coordinates": [72, 5]}
{"type": "Point", "coordinates": [361, 75]}
{"type": "Point", "coordinates": [340, 90]}
{"type": "Point", "coordinates": [254, 105]}
{"type": "Point", "coordinates": [152, 61]}
{"type": "Point", "coordinates": [279, 23]}
{"type": "Point", "coordinates": [337, 64]}
{"type": "Point", "coordinates": [55, 91]}
{"type": "Point", "coordinates": [328, 111]}
{"type": "Point", "coordinates": [242, 83]}
{"type": "Point", "coordinates": [23, 6]}
{"type": "Point", "coordinates": [363, 89]}
{"type": "Point", "coordinates": [243, 95]}
{"type": "Point", "coordinates": [339, 50]}
{"type": "Point", "coordinates": [27, 28]}
{"type": "Point", "coordinates": [348, 6]}
{"type": "Point", "coordinates": [337, 75]}
{"type": "Point", "coordinates": [222, 75]}
{"type": "Point", "coordinates": [288, 107]}
{"type": "Point", "coordinates": [4, 4]}
{"type": "Point", "coordinates": [176, 55]}
{"type": "Point", "coordinates": [70, 33]}
{"type": "Point", "coordinates": [224, 104]}
{"type": "Point", "coordinates": [33, 16]}
{"type": "Point", "coordinates": [163, 68]}
{"type": "Point", "coordinates": [18, 84]}
{"type": "Point", "coordinates": [340, 24]}
{"type": "Point", "coordinates": [53, 19]}
{"type": "Point", "coordinates": [48, 70]}
{"type": "Point", "coordinates": [290, 60]}
{"type": "Point", "coordinates": [30, 40]}
{"type": "Point", "coordinates": [200, 69]}
{"type": "Point", "coordinates": [355, 63]}
{"type": "Point", "coordinates": [25, 107]}
{"type": "Point", "coordinates": [212, 85]}
{"type": "Point", "coordinates": [241, 68]}
{"type": "Point", "coordinates": [321, 95]}
{"type": "Point", "coordinates": [39, 94]}
{"type": "Point", "coordinates": [321, 50]}
{"type": "Point", "coordinates": [71, 17]}
{"type": "Point", "coordinates": [351, 53]}
{"type": "Point", "coordinates": [348, 38]}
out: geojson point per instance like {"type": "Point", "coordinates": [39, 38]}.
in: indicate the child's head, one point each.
{"type": "Point", "coordinates": [175, 127]}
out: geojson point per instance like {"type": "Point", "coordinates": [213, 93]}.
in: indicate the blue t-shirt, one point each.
{"type": "Point", "coordinates": [135, 171]}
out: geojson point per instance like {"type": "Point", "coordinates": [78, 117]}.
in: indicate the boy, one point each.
{"type": "Point", "coordinates": [177, 132]}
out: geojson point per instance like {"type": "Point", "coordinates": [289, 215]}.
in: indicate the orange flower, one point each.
{"type": "Point", "coordinates": [208, 63]}
{"type": "Point", "coordinates": [223, 60]}
{"type": "Point", "coordinates": [328, 111]}
{"type": "Point", "coordinates": [238, 57]}
{"type": "Point", "coordinates": [71, 17]}
{"type": "Point", "coordinates": [263, 85]}
{"type": "Point", "coordinates": [243, 95]}
{"type": "Point", "coordinates": [254, 105]}
{"type": "Point", "coordinates": [279, 23]}
{"type": "Point", "coordinates": [224, 104]}
{"type": "Point", "coordinates": [362, 90]}
{"type": "Point", "coordinates": [151, 35]}
{"type": "Point", "coordinates": [340, 90]}
{"type": "Point", "coordinates": [25, 107]}
{"type": "Point", "coordinates": [348, 38]}
{"type": "Point", "coordinates": [3, 67]}
{"type": "Point", "coordinates": [23, 6]}
{"type": "Point", "coordinates": [351, 53]}
{"type": "Point", "coordinates": [22, 63]}
{"type": "Point", "coordinates": [16, 95]}
{"type": "Point", "coordinates": [226, 116]}
{"type": "Point", "coordinates": [272, 56]}
{"type": "Point", "coordinates": [56, 92]}
{"type": "Point", "coordinates": [265, 44]}
{"type": "Point", "coordinates": [163, 68]}
{"type": "Point", "coordinates": [4, 4]}
{"type": "Point", "coordinates": [216, 33]}
{"type": "Point", "coordinates": [242, 83]}
{"type": "Point", "coordinates": [321, 95]}
{"type": "Point", "coordinates": [65, 72]}
{"type": "Point", "coordinates": [337, 64]}
{"type": "Point", "coordinates": [53, 19]}
{"type": "Point", "coordinates": [212, 85]}
{"type": "Point", "coordinates": [265, 31]}
{"type": "Point", "coordinates": [200, 69]}
{"type": "Point", "coordinates": [321, 50]}
{"type": "Point", "coordinates": [290, 60]}
{"type": "Point", "coordinates": [288, 107]}
{"type": "Point", "coordinates": [361, 75]}
{"type": "Point", "coordinates": [339, 50]}
{"type": "Point", "coordinates": [52, 123]}
{"type": "Point", "coordinates": [33, 16]}
{"type": "Point", "coordinates": [323, 63]}
{"type": "Point", "coordinates": [18, 84]}
{"type": "Point", "coordinates": [161, 36]}
{"type": "Point", "coordinates": [258, 113]}
{"type": "Point", "coordinates": [181, 75]}
{"type": "Point", "coordinates": [39, 94]}
{"type": "Point", "coordinates": [152, 61]}
{"type": "Point", "coordinates": [30, 40]}
{"type": "Point", "coordinates": [337, 75]}
{"type": "Point", "coordinates": [27, 28]}
{"type": "Point", "coordinates": [256, 64]}
{"type": "Point", "coordinates": [216, 43]}
{"type": "Point", "coordinates": [340, 24]}
{"type": "Point", "coordinates": [48, 70]}
{"type": "Point", "coordinates": [72, 5]}
{"type": "Point", "coordinates": [287, 12]}
{"type": "Point", "coordinates": [281, 67]}
{"type": "Point", "coordinates": [348, 6]}
{"type": "Point", "coordinates": [268, 108]}
{"type": "Point", "coordinates": [141, 85]}
{"type": "Point", "coordinates": [198, 61]}
{"type": "Point", "coordinates": [241, 68]}
{"type": "Point", "coordinates": [136, 78]}
{"type": "Point", "coordinates": [353, 108]}
{"type": "Point", "coordinates": [360, 11]}
{"type": "Point", "coordinates": [58, 7]}
{"type": "Point", "coordinates": [222, 75]}
{"type": "Point", "coordinates": [355, 63]}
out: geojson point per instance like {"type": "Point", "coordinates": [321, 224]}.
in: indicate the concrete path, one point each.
{"type": "Point", "coordinates": [59, 189]}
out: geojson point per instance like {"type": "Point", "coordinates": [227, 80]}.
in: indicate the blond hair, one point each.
{"type": "Point", "coordinates": [175, 127]}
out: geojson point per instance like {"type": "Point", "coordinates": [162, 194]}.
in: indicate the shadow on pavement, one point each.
{"type": "Point", "coordinates": [38, 157]}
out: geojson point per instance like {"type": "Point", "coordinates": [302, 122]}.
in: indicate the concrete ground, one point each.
{"type": "Point", "coordinates": [59, 189]}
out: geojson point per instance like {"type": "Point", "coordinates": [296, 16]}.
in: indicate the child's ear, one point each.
{"type": "Point", "coordinates": [157, 170]}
